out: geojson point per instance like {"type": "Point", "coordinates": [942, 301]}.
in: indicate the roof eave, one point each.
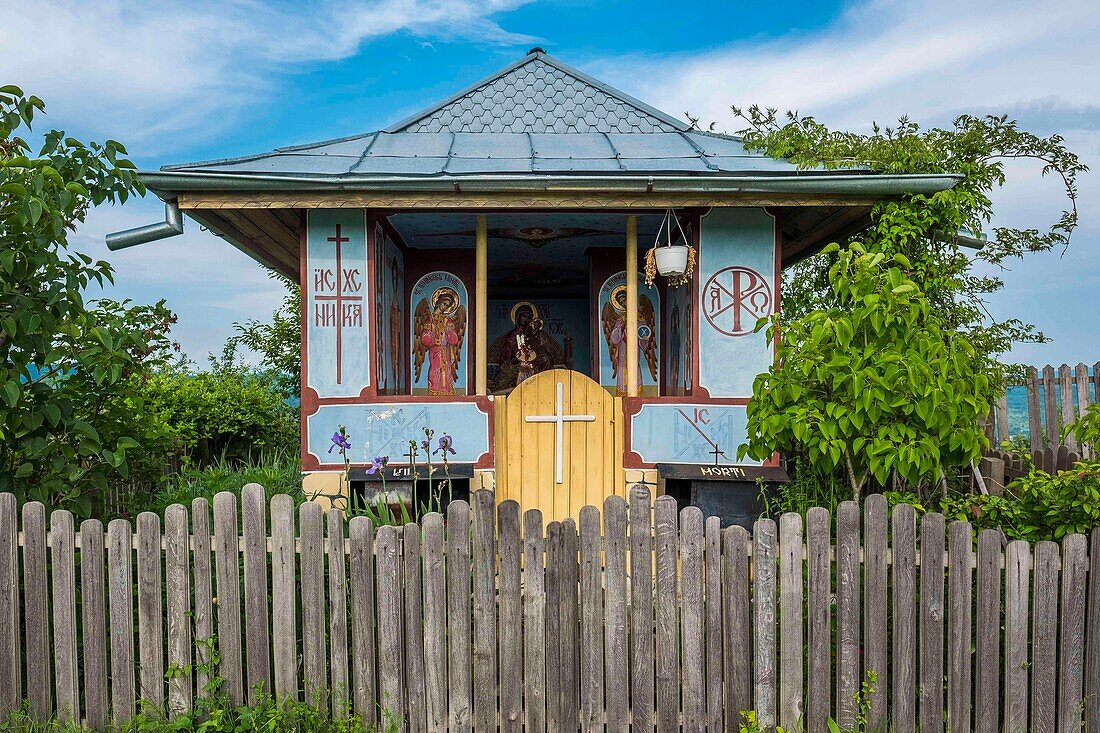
{"type": "Point", "coordinates": [167, 183]}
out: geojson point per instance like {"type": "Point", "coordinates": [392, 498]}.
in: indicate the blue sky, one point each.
{"type": "Point", "coordinates": [179, 82]}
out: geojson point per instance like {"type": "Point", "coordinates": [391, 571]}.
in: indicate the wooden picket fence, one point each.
{"type": "Point", "coordinates": [1056, 396]}
{"type": "Point", "coordinates": [645, 617]}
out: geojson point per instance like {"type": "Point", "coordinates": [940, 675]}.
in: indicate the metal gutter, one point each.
{"type": "Point", "coordinates": [170, 227]}
{"type": "Point", "coordinates": [169, 182]}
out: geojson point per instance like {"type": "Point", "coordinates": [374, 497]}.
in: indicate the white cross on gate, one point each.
{"type": "Point", "coordinates": [559, 419]}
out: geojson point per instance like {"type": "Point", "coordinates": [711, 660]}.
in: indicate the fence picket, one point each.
{"type": "Point", "coordinates": [1044, 632]}
{"type": "Point", "coordinates": [932, 546]}
{"type": "Point", "coordinates": [391, 691]}
{"type": "Point", "coordinates": [93, 619]}
{"type": "Point", "coordinates": [1071, 657]}
{"type": "Point", "coordinates": [36, 609]}
{"type": "Point", "coordinates": [903, 656]}
{"type": "Point", "coordinates": [641, 611]}
{"type": "Point", "coordinates": [847, 612]}
{"type": "Point", "coordinates": [459, 621]}
{"type": "Point", "coordinates": [1092, 634]}
{"type": "Point", "coordinates": [415, 685]}
{"type": "Point", "coordinates": [228, 579]}
{"type": "Point", "coordinates": [485, 615]}
{"type": "Point", "coordinates": [1017, 560]}
{"type": "Point", "coordinates": [616, 649]}
{"type": "Point", "coordinates": [511, 624]}
{"type": "Point", "coordinates": [668, 627]}
{"type": "Point", "coordinates": [875, 571]}
{"type": "Point", "coordinates": [554, 695]}
{"type": "Point", "coordinates": [763, 573]}
{"type": "Point", "coordinates": [1050, 406]}
{"type": "Point", "coordinates": [257, 646]}
{"type": "Point", "coordinates": [692, 661]}
{"type": "Point", "coordinates": [534, 622]}
{"type": "Point", "coordinates": [204, 594]}
{"type": "Point", "coordinates": [284, 608]}
{"type": "Point", "coordinates": [63, 562]}
{"type": "Point", "coordinates": [712, 555]}
{"type": "Point", "coordinates": [1069, 411]}
{"type": "Point", "coordinates": [1034, 424]}
{"type": "Point", "coordinates": [818, 601]}
{"type": "Point", "coordinates": [177, 584]}
{"type": "Point", "coordinates": [591, 639]}
{"type": "Point", "coordinates": [737, 610]}
{"type": "Point", "coordinates": [338, 613]}
{"type": "Point", "coordinates": [11, 684]}
{"type": "Point", "coordinates": [959, 587]}
{"type": "Point", "coordinates": [569, 659]}
{"type": "Point", "coordinates": [790, 620]}
{"type": "Point", "coordinates": [119, 585]}
{"type": "Point", "coordinates": [435, 621]}
{"type": "Point", "coordinates": [312, 590]}
{"type": "Point", "coordinates": [988, 638]}
{"type": "Point", "coordinates": [363, 680]}
{"type": "Point", "coordinates": [151, 609]}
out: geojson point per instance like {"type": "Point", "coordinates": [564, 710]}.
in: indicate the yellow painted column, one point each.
{"type": "Point", "coordinates": [481, 306]}
{"type": "Point", "coordinates": [632, 306]}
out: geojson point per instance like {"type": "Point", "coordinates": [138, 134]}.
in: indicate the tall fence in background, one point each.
{"type": "Point", "coordinates": [1056, 397]}
{"type": "Point", "coordinates": [643, 617]}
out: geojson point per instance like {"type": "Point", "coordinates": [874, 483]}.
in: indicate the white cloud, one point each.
{"type": "Point", "coordinates": [138, 70]}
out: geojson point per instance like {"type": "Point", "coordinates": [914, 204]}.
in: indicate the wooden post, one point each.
{"type": "Point", "coordinates": [632, 306]}
{"type": "Point", "coordinates": [481, 306]}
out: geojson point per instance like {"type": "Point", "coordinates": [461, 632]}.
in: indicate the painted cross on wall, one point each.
{"type": "Point", "coordinates": [336, 295]}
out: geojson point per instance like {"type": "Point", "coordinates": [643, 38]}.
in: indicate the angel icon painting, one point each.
{"type": "Point", "coordinates": [613, 318]}
{"type": "Point", "coordinates": [439, 331]}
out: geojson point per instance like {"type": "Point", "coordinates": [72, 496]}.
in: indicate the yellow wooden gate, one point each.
{"type": "Point", "coordinates": [559, 444]}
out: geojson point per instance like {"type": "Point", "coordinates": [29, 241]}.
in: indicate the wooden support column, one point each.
{"type": "Point", "coordinates": [632, 306]}
{"type": "Point", "coordinates": [481, 306]}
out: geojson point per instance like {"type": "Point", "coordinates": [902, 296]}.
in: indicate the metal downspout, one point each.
{"type": "Point", "coordinates": [170, 227]}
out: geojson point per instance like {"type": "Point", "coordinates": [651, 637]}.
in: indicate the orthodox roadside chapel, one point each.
{"type": "Point", "coordinates": [559, 280]}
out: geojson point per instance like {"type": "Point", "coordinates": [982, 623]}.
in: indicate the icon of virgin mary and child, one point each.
{"type": "Point", "coordinates": [524, 351]}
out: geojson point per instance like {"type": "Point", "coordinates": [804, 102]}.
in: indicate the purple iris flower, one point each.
{"type": "Point", "coordinates": [425, 445]}
{"type": "Point", "coordinates": [339, 441]}
{"type": "Point", "coordinates": [446, 445]}
{"type": "Point", "coordinates": [377, 464]}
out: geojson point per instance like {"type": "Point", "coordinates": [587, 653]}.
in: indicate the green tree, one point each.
{"type": "Point", "coordinates": [874, 385]}
{"type": "Point", "coordinates": [278, 343]}
{"type": "Point", "coordinates": [70, 420]}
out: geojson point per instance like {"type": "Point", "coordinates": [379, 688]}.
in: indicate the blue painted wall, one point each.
{"type": "Point", "coordinates": [664, 433]}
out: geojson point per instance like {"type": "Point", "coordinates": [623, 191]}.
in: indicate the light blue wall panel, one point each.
{"type": "Point", "coordinates": [672, 433]}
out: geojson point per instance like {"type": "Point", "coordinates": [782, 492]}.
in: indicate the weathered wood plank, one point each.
{"type": "Point", "coordinates": [511, 618]}
{"type": "Point", "coordinates": [819, 634]}
{"type": "Point", "coordinates": [66, 661]}
{"type": "Point", "coordinates": [435, 621]}
{"type": "Point", "coordinates": [616, 636]}
{"type": "Point", "coordinates": [847, 612]}
{"type": "Point", "coordinates": [693, 684]}
{"type": "Point", "coordinates": [737, 611]}
{"type": "Point", "coordinates": [569, 612]}
{"type": "Point", "coordinates": [391, 690]}
{"type": "Point", "coordinates": [120, 594]}
{"type": "Point", "coordinates": [904, 606]}
{"type": "Point", "coordinates": [459, 622]}
{"type": "Point", "coordinates": [875, 623]}
{"type": "Point", "coordinates": [932, 547]}
{"type": "Point", "coordinates": [713, 562]}
{"type": "Point", "coordinates": [363, 658]}
{"type": "Point", "coordinates": [1069, 409]}
{"type": "Point", "coordinates": [228, 578]}
{"type": "Point", "coordinates": [554, 694]}
{"type": "Point", "coordinates": [93, 618]}
{"type": "Point", "coordinates": [534, 622]}
{"type": "Point", "coordinates": [485, 615]}
{"type": "Point", "coordinates": [11, 683]}
{"type": "Point", "coordinates": [591, 597]}
{"type": "Point", "coordinates": [284, 606]}
{"type": "Point", "coordinates": [337, 614]}
{"type": "Point", "coordinates": [415, 684]}
{"type": "Point", "coordinates": [1017, 562]}
{"type": "Point", "coordinates": [204, 594]}
{"type": "Point", "coordinates": [257, 645]}
{"type": "Point", "coordinates": [36, 610]}
{"type": "Point", "coordinates": [150, 610]}
{"type": "Point", "coordinates": [1092, 634]}
{"type": "Point", "coordinates": [1050, 405]}
{"type": "Point", "coordinates": [668, 627]}
{"type": "Point", "coordinates": [641, 611]}
{"type": "Point", "coordinates": [764, 662]}
{"type": "Point", "coordinates": [1071, 657]}
{"type": "Point", "coordinates": [960, 579]}
{"type": "Point", "coordinates": [988, 634]}
{"type": "Point", "coordinates": [1001, 413]}
{"type": "Point", "coordinates": [790, 620]}
{"type": "Point", "coordinates": [312, 590]}
{"type": "Point", "coordinates": [1044, 637]}
{"type": "Point", "coordinates": [177, 584]}
{"type": "Point", "coordinates": [1034, 422]}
